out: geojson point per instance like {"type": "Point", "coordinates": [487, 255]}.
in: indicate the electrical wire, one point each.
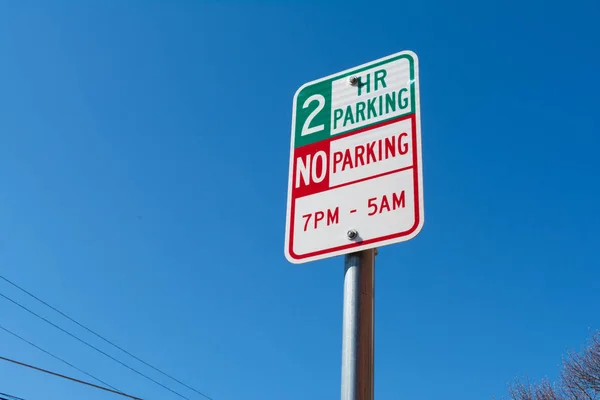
{"type": "Point", "coordinates": [56, 357]}
{"type": "Point", "coordinates": [94, 347]}
{"type": "Point", "coordinates": [69, 378]}
{"type": "Point", "coordinates": [103, 338]}
{"type": "Point", "coordinates": [5, 396]}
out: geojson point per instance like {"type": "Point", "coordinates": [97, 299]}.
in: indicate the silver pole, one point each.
{"type": "Point", "coordinates": [358, 323]}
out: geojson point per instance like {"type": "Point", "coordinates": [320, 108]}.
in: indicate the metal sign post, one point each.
{"type": "Point", "coordinates": [358, 326]}
{"type": "Point", "coordinates": [355, 183]}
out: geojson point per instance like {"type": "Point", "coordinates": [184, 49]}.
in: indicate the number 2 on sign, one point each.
{"type": "Point", "coordinates": [306, 129]}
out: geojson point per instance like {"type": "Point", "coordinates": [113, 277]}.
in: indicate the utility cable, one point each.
{"type": "Point", "coordinates": [56, 357]}
{"type": "Point", "coordinates": [5, 396]}
{"type": "Point", "coordinates": [70, 378]}
{"type": "Point", "coordinates": [93, 347]}
{"type": "Point", "coordinates": [103, 338]}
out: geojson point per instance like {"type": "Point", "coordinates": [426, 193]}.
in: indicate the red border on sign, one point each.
{"type": "Point", "coordinates": [416, 185]}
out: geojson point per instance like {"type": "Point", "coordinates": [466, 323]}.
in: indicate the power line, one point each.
{"type": "Point", "coordinates": [5, 396]}
{"type": "Point", "coordinates": [69, 378]}
{"type": "Point", "coordinates": [103, 338]}
{"type": "Point", "coordinates": [56, 357]}
{"type": "Point", "coordinates": [93, 347]}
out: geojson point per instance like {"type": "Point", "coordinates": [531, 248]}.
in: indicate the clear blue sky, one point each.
{"type": "Point", "coordinates": [143, 164]}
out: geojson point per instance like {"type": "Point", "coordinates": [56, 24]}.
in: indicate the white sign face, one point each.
{"type": "Point", "coordinates": [355, 179]}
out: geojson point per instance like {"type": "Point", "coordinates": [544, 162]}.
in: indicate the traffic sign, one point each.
{"type": "Point", "coordinates": [355, 174]}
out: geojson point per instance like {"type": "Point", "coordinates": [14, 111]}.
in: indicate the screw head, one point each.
{"type": "Point", "coordinates": [352, 234]}
{"type": "Point", "coordinates": [353, 80]}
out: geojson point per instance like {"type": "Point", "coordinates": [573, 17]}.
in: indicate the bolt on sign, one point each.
{"type": "Point", "coordinates": [355, 178]}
